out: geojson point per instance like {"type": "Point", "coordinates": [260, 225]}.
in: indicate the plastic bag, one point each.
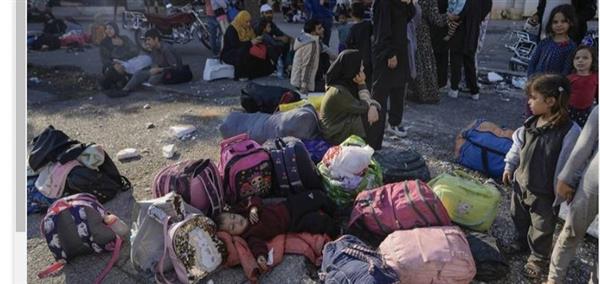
{"type": "Point", "coordinates": [351, 162]}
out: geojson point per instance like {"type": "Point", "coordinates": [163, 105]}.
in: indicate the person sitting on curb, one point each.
{"type": "Point", "coordinates": [308, 211]}
{"type": "Point", "coordinates": [164, 58]}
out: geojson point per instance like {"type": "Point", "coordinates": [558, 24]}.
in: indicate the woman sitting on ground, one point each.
{"type": "Point", "coordinates": [238, 40]}
{"type": "Point", "coordinates": [347, 107]}
{"type": "Point", "coordinates": [114, 50]}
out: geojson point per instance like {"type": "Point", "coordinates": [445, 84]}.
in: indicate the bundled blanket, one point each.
{"type": "Point", "coordinates": [305, 244]}
{"type": "Point", "coordinates": [302, 123]}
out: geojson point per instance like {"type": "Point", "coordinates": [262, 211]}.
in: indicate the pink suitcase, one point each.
{"type": "Point", "coordinates": [429, 255]}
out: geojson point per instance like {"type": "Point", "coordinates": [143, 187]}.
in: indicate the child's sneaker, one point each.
{"type": "Point", "coordinates": [475, 97]}
{"type": "Point", "coordinates": [453, 93]}
{"type": "Point", "coordinates": [397, 130]}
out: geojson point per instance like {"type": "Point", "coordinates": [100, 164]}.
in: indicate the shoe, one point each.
{"type": "Point", "coordinates": [397, 130]}
{"type": "Point", "coordinates": [475, 97]}
{"type": "Point", "coordinates": [453, 93]}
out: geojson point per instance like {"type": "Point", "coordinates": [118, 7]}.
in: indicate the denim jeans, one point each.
{"type": "Point", "coordinates": [213, 28]}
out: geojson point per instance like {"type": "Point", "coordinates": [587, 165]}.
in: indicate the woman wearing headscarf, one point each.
{"type": "Point", "coordinates": [239, 38]}
{"type": "Point", "coordinates": [347, 107]}
{"type": "Point", "coordinates": [115, 46]}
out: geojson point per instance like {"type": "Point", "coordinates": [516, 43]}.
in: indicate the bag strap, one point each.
{"type": "Point", "coordinates": [420, 191]}
{"type": "Point", "coordinates": [114, 258]}
{"type": "Point", "coordinates": [161, 263]}
{"type": "Point", "coordinates": [52, 269]}
{"type": "Point", "coordinates": [291, 166]}
{"type": "Point", "coordinates": [412, 204]}
{"type": "Point", "coordinates": [280, 170]}
{"type": "Point", "coordinates": [381, 226]}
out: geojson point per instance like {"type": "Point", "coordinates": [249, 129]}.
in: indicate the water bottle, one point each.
{"type": "Point", "coordinates": [117, 225]}
{"type": "Point", "coordinates": [280, 68]}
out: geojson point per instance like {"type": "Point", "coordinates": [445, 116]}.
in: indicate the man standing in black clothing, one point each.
{"type": "Point", "coordinates": [390, 59]}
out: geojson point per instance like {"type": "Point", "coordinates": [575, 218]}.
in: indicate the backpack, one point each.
{"type": "Point", "coordinates": [399, 165]}
{"type": "Point", "coordinates": [259, 98]}
{"type": "Point", "coordinates": [490, 262]}
{"type": "Point", "coordinates": [194, 236]}
{"type": "Point", "coordinates": [36, 201]}
{"type": "Point", "coordinates": [468, 202]}
{"type": "Point", "coordinates": [181, 74]}
{"type": "Point", "coordinates": [245, 168]}
{"type": "Point", "coordinates": [398, 206]}
{"type": "Point", "coordinates": [317, 148]}
{"type": "Point", "coordinates": [74, 226]}
{"type": "Point", "coordinates": [429, 255]}
{"type": "Point", "coordinates": [147, 238]}
{"type": "Point", "coordinates": [197, 181]}
{"type": "Point", "coordinates": [348, 260]}
{"type": "Point", "coordinates": [336, 189]}
{"type": "Point", "coordinates": [482, 147]}
{"type": "Point", "coordinates": [104, 183]}
{"type": "Point", "coordinates": [293, 169]}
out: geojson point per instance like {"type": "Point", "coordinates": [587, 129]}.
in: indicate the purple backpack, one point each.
{"type": "Point", "coordinates": [197, 181]}
{"type": "Point", "coordinates": [73, 226]}
{"type": "Point", "coordinates": [245, 167]}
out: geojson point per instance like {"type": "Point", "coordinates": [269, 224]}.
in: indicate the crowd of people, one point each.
{"type": "Point", "coordinates": [397, 45]}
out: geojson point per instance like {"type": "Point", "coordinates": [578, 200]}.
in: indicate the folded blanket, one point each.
{"type": "Point", "coordinates": [305, 244]}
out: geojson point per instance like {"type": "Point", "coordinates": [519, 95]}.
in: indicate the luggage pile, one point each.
{"type": "Point", "coordinates": [402, 226]}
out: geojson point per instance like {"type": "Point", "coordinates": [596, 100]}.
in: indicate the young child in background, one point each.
{"type": "Point", "coordinates": [343, 30]}
{"type": "Point", "coordinates": [540, 150]}
{"type": "Point", "coordinates": [454, 8]}
{"type": "Point", "coordinates": [220, 10]}
{"type": "Point", "coordinates": [584, 84]}
{"type": "Point", "coordinates": [359, 37]}
{"type": "Point", "coordinates": [309, 211]}
{"type": "Point", "coordinates": [552, 53]}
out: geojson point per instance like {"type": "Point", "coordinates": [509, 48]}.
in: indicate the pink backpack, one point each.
{"type": "Point", "coordinates": [245, 167]}
{"type": "Point", "coordinates": [197, 181]}
{"type": "Point", "coordinates": [397, 206]}
{"type": "Point", "coordinates": [429, 255]}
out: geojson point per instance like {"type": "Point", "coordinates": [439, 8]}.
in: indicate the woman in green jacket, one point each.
{"type": "Point", "coordinates": [347, 107]}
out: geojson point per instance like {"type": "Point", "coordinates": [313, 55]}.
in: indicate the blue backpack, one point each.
{"type": "Point", "coordinates": [484, 151]}
{"type": "Point", "coordinates": [348, 260]}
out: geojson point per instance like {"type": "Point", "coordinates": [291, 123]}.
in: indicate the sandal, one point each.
{"type": "Point", "coordinates": [532, 270]}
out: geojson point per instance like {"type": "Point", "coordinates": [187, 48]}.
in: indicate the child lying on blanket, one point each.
{"type": "Point", "coordinates": [309, 211]}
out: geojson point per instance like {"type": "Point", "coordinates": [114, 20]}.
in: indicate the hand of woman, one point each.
{"type": "Point", "coordinates": [360, 78]}
{"type": "Point", "coordinates": [372, 115]}
{"type": "Point", "coordinates": [392, 62]}
{"type": "Point", "coordinates": [256, 40]}
{"type": "Point", "coordinates": [452, 24]}
{"type": "Point", "coordinates": [453, 17]}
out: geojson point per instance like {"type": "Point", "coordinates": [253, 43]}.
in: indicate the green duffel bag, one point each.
{"type": "Point", "coordinates": [468, 202]}
{"type": "Point", "coordinates": [337, 191]}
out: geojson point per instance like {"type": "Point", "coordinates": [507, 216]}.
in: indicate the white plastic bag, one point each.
{"type": "Point", "coordinates": [351, 162]}
{"type": "Point", "coordinates": [214, 69]}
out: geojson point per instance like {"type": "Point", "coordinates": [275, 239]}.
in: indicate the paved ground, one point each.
{"type": "Point", "coordinates": [120, 123]}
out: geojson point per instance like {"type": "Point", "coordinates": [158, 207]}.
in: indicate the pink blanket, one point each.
{"type": "Point", "coordinates": [305, 244]}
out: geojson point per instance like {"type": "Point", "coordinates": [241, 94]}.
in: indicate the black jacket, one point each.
{"type": "Point", "coordinates": [234, 49]}
{"type": "Point", "coordinates": [390, 18]}
{"type": "Point", "coordinates": [466, 37]}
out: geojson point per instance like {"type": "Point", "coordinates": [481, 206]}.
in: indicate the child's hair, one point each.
{"type": "Point", "coordinates": [552, 86]}
{"type": "Point", "coordinates": [594, 67]}
{"type": "Point", "coordinates": [311, 25]}
{"type": "Point", "coordinates": [357, 9]}
{"type": "Point", "coordinates": [262, 25]}
{"type": "Point", "coordinates": [569, 13]}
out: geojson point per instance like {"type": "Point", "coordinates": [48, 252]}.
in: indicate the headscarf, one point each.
{"type": "Point", "coordinates": [114, 26]}
{"type": "Point", "coordinates": [244, 33]}
{"type": "Point", "coordinates": [343, 70]}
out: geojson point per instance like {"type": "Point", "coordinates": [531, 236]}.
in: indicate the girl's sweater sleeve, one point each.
{"type": "Point", "coordinates": [364, 95]}
{"type": "Point", "coordinates": [567, 147]}
{"type": "Point", "coordinates": [535, 58]}
{"type": "Point", "coordinates": [513, 157]}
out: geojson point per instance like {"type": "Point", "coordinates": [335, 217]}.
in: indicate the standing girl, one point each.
{"type": "Point", "coordinates": [551, 54]}
{"type": "Point", "coordinates": [584, 84]}
{"type": "Point", "coordinates": [539, 152]}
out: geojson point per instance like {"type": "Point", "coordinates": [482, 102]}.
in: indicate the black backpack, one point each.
{"type": "Point", "coordinates": [400, 165]}
{"type": "Point", "coordinates": [259, 98]}
{"type": "Point", "coordinates": [104, 184]}
{"type": "Point", "coordinates": [491, 264]}
{"type": "Point", "coordinates": [294, 170]}
{"type": "Point", "coordinates": [181, 74]}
